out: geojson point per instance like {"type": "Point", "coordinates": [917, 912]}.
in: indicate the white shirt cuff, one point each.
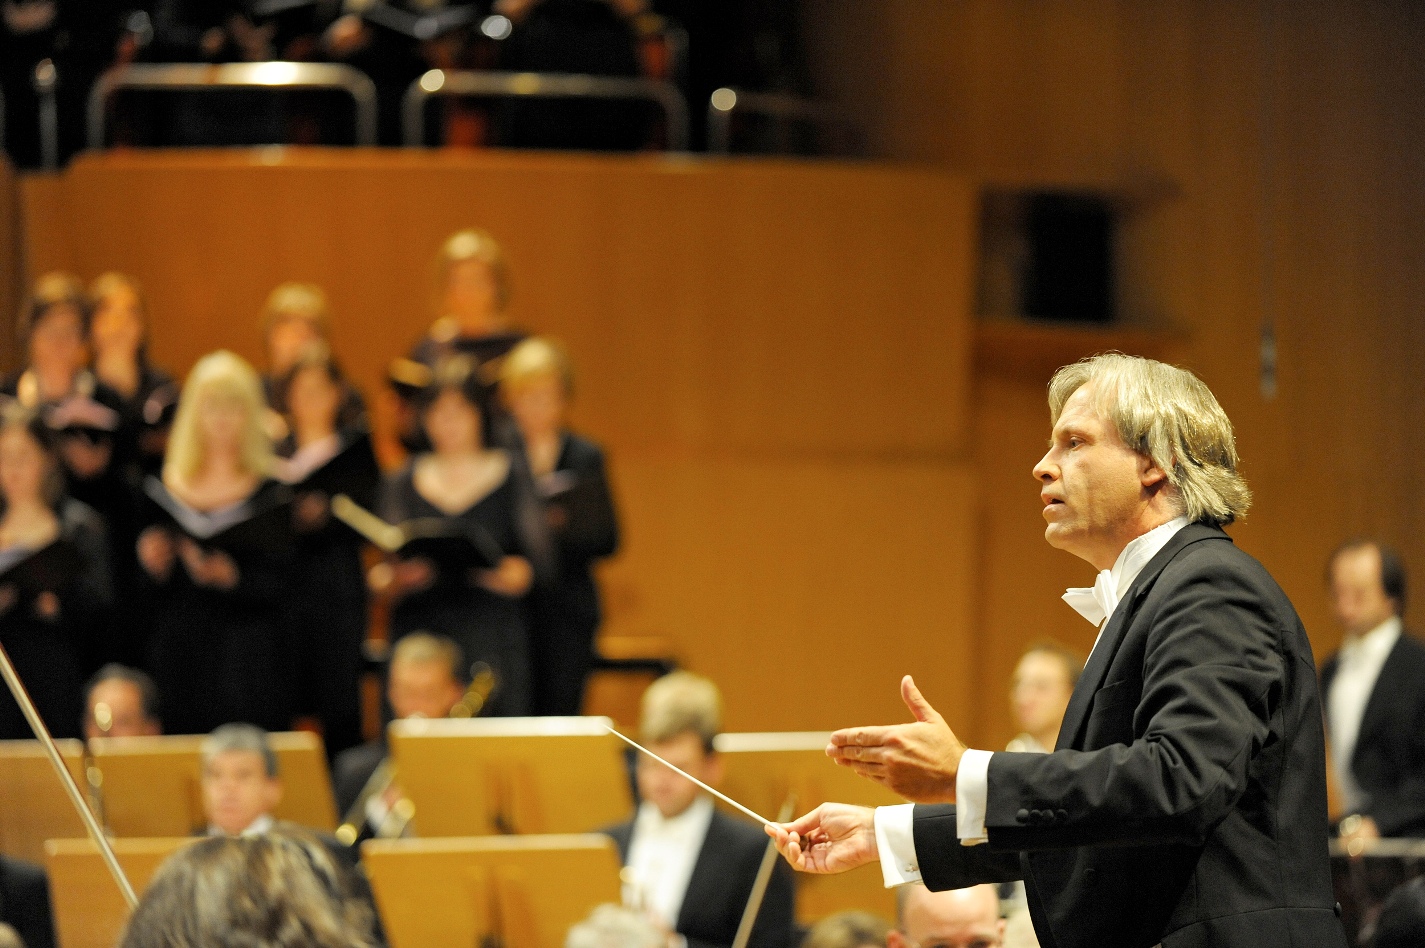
{"type": "Point", "coordinates": [972, 793]}
{"type": "Point", "coordinates": [895, 843]}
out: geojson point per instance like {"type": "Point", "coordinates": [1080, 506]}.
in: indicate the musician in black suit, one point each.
{"type": "Point", "coordinates": [1374, 692]}
{"type": "Point", "coordinates": [25, 902]}
{"type": "Point", "coordinates": [537, 383]}
{"type": "Point", "coordinates": [426, 679]}
{"type": "Point", "coordinates": [1185, 801]}
{"type": "Point", "coordinates": [689, 866]}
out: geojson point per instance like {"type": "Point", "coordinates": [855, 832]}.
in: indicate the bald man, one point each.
{"type": "Point", "coordinates": [956, 918]}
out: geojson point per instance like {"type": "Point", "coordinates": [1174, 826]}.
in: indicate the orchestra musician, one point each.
{"type": "Point", "coordinates": [217, 552]}
{"type": "Point", "coordinates": [426, 678]}
{"type": "Point", "coordinates": [322, 456]}
{"type": "Point", "coordinates": [120, 702]}
{"type": "Point", "coordinates": [537, 383]}
{"type": "Point", "coordinates": [688, 866]}
{"type": "Point", "coordinates": [475, 488]}
{"type": "Point", "coordinates": [54, 577]}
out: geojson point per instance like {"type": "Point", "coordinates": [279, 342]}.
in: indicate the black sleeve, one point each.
{"type": "Point", "coordinates": [945, 863]}
{"type": "Point", "coordinates": [93, 592]}
{"type": "Point", "coordinates": [24, 891]}
{"type": "Point", "coordinates": [531, 527]}
{"type": "Point", "coordinates": [777, 917]}
{"type": "Point", "coordinates": [591, 527]}
{"type": "Point", "coordinates": [1212, 680]}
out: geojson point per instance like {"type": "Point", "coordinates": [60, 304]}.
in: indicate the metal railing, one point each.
{"type": "Point", "coordinates": [45, 78]}
{"type": "Point", "coordinates": [726, 102]}
{"type": "Point", "coordinates": [272, 75]}
{"type": "Point", "coordinates": [542, 85]}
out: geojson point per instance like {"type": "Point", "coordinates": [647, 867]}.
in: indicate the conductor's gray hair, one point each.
{"type": "Point", "coordinates": [1170, 417]}
{"type": "Point", "coordinates": [247, 738]}
{"type": "Point", "coordinates": [613, 926]}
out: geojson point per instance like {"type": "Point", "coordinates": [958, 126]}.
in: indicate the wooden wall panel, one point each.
{"type": "Point", "coordinates": [1273, 154]}
{"type": "Point", "coordinates": [762, 307]}
{"type": "Point", "coordinates": [776, 353]}
{"type": "Point", "coordinates": [807, 590]}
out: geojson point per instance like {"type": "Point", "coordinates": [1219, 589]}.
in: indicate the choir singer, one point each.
{"type": "Point", "coordinates": [1185, 801]}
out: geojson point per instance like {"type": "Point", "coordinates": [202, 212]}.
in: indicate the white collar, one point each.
{"type": "Point", "coordinates": [1097, 603]}
{"type": "Point", "coordinates": [263, 824]}
{"type": "Point", "coordinates": [1375, 645]}
{"type": "Point", "coordinates": [692, 821]}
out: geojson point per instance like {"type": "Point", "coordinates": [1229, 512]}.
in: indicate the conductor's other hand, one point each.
{"type": "Point", "coordinates": [832, 838]}
{"type": "Point", "coordinates": [918, 761]}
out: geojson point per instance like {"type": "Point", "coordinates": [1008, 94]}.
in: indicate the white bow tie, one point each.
{"type": "Point", "coordinates": [1097, 602]}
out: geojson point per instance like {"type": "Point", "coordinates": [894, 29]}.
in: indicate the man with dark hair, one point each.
{"type": "Point", "coordinates": [120, 702]}
{"type": "Point", "coordinates": [1374, 690]}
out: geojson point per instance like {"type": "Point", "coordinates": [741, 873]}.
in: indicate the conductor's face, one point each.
{"type": "Point", "coordinates": [666, 790]}
{"type": "Point", "coordinates": [1097, 491]}
{"type": "Point", "coordinates": [237, 790]}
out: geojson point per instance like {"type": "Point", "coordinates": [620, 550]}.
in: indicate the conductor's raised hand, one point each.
{"type": "Point", "coordinates": [832, 838]}
{"type": "Point", "coordinates": [919, 761]}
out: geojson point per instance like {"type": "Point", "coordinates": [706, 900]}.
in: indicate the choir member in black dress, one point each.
{"type": "Point", "coordinates": [86, 414]}
{"type": "Point", "coordinates": [118, 336]}
{"type": "Point", "coordinates": [472, 295]}
{"type": "Point", "coordinates": [537, 383]}
{"type": "Point", "coordinates": [327, 609]}
{"type": "Point", "coordinates": [475, 487]}
{"type": "Point", "coordinates": [118, 339]}
{"type": "Point", "coordinates": [218, 552]}
{"type": "Point", "coordinates": [54, 579]}
{"type": "Point", "coordinates": [296, 318]}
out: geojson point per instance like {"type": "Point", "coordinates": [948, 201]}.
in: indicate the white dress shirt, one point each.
{"type": "Point", "coordinates": [1356, 673]}
{"type": "Point", "coordinates": [895, 836]}
{"type": "Point", "coordinates": [661, 857]}
{"type": "Point", "coordinates": [263, 824]}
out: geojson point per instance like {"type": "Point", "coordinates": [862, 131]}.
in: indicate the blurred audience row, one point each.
{"type": "Point", "coordinates": [699, 44]}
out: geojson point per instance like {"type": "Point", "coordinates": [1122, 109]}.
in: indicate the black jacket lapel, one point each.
{"type": "Point", "coordinates": [1107, 646]}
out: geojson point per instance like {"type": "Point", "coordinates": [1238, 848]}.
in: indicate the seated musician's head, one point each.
{"type": "Point", "coordinates": [241, 786]}
{"type": "Point", "coordinates": [282, 889]}
{"type": "Point", "coordinates": [613, 926]}
{"type": "Point", "coordinates": [120, 702]}
{"type": "Point", "coordinates": [426, 677]}
{"type": "Point", "coordinates": [295, 316]}
{"type": "Point", "coordinates": [955, 918]}
{"type": "Point", "coordinates": [849, 929]}
{"type": "Point", "coordinates": [681, 715]}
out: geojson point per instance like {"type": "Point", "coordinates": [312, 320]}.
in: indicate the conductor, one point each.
{"type": "Point", "coordinates": [1185, 802]}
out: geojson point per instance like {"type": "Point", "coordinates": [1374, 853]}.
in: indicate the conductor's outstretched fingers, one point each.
{"type": "Point", "coordinates": [832, 838]}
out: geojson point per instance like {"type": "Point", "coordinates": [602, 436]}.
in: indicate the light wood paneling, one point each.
{"type": "Point", "coordinates": [759, 307]}
{"type": "Point", "coordinates": [776, 353]}
{"type": "Point", "coordinates": [1281, 147]}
